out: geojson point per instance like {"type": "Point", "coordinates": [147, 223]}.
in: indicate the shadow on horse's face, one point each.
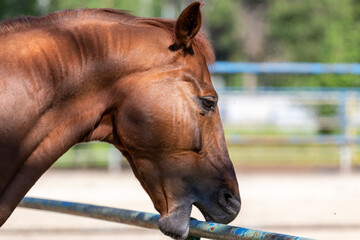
{"type": "Point", "coordinates": [170, 130]}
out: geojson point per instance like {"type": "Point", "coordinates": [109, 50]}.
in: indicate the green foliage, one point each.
{"type": "Point", "coordinates": [282, 155]}
{"type": "Point", "coordinates": [144, 8]}
{"type": "Point", "coordinates": [224, 26]}
{"type": "Point", "coordinates": [10, 9]}
{"type": "Point", "coordinates": [315, 31]}
{"type": "Point", "coordinates": [70, 4]}
{"type": "Point", "coordinates": [234, 80]}
{"type": "Point", "coordinates": [323, 80]}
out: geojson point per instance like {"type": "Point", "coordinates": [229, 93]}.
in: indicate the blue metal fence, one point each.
{"type": "Point", "coordinates": [286, 68]}
{"type": "Point", "coordinates": [346, 100]}
{"type": "Point", "coordinates": [149, 220]}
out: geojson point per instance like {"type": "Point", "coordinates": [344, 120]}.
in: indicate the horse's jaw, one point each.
{"type": "Point", "coordinates": [176, 223]}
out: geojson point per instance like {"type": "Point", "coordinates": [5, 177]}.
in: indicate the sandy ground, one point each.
{"type": "Point", "coordinates": [314, 205]}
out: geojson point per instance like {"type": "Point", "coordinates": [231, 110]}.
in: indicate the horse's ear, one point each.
{"type": "Point", "coordinates": [187, 26]}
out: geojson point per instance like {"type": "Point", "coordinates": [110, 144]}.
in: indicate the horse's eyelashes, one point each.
{"type": "Point", "coordinates": [208, 103]}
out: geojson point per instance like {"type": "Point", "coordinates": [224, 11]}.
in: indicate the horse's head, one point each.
{"type": "Point", "coordinates": [168, 127]}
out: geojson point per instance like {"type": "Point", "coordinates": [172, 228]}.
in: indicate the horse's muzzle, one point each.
{"type": "Point", "coordinates": [229, 204]}
{"type": "Point", "coordinates": [223, 210]}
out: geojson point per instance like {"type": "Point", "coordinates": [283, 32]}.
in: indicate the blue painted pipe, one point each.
{"type": "Point", "coordinates": [149, 220]}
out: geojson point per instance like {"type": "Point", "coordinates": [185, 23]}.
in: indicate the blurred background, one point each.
{"type": "Point", "coordinates": [288, 100]}
{"type": "Point", "coordinates": [271, 119]}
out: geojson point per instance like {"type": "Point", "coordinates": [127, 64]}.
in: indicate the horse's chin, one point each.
{"type": "Point", "coordinates": [176, 223]}
{"type": "Point", "coordinates": [217, 215]}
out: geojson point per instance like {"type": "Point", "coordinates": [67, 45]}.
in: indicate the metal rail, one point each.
{"type": "Point", "coordinates": [285, 68]}
{"type": "Point", "coordinates": [339, 140]}
{"type": "Point", "coordinates": [150, 220]}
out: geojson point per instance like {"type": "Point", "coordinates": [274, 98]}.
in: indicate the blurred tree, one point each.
{"type": "Point", "coordinates": [13, 8]}
{"type": "Point", "coordinates": [144, 8]}
{"type": "Point", "coordinates": [223, 24]}
{"type": "Point", "coordinates": [253, 34]}
{"type": "Point", "coordinates": [314, 31]}
{"type": "Point", "coordinates": [70, 4]}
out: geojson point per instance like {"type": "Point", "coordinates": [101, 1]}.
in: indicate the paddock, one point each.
{"type": "Point", "coordinates": [307, 204]}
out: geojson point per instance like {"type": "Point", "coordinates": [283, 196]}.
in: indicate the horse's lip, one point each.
{"type": "Point", "coordinates": [206, 214]}
{"type": "Point", "coordinates": [176, 223]}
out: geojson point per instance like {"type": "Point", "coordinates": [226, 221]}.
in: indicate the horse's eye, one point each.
{"type": "Point", "coordinates": [208, 103]}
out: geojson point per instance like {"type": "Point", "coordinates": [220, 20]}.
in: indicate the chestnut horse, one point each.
{"type": "Point", "coordinates": [141, 84]}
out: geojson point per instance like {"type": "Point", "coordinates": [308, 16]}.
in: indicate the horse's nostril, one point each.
{"type": "Point", "coordinates": [228, 197]}
{"type": "Point", "coordinates": [228, 202]}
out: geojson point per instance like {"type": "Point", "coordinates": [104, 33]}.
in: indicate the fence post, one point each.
{"type": "Point", "coordinates": [345, 150]}
{"type": "Point", "coordinates": [250, 81]}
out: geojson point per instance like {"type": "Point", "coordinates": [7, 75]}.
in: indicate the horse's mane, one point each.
{"type": "Point", "coordinates": [200, 42]}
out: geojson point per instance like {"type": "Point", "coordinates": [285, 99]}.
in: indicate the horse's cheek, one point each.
{"type": "Point", "coordinates": [137, 129]}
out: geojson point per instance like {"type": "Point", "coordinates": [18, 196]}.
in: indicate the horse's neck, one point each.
{"type": "Point", "coordinates": [53, 86]}
{"type": "Point", "coordinates": [62, 77]}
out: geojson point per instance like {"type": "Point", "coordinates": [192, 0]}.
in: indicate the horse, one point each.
{"type": "Point", "coordinates": [141, 84]}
